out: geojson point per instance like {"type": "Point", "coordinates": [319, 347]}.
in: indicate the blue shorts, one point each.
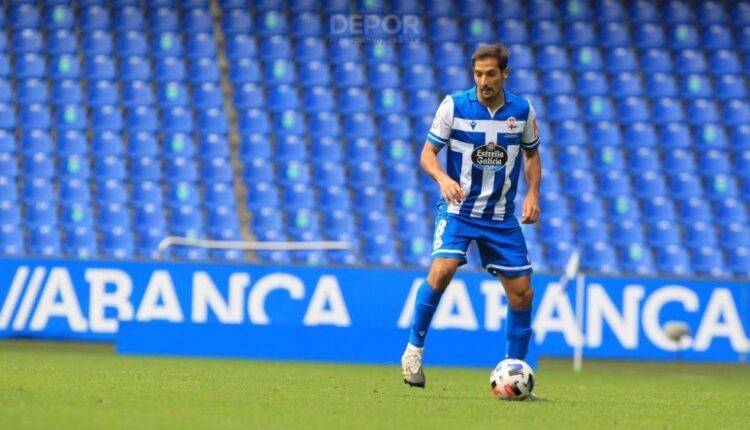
{"type": "Point", "coordinates": [502, 247]}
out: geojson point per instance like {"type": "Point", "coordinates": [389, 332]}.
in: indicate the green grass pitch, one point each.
{"type": "Point", "coordinates": [46, 385]}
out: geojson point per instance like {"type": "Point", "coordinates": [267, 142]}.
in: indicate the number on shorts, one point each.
{"type": "Point", "coordinates": [439, 230]}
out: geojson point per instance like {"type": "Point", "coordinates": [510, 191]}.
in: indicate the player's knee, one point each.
{"type": "Point", "coordinates": [521, 299]}
{"type": "Point", "coordinates": [440, 276]}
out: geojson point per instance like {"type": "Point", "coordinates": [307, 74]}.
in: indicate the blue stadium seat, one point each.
{"type": "Point", "coordinates": [170, 69]}
{"type": "Point", "coordinates": [453, 79]}
{"type": "Point", "coordinates": [695, 209]}
{"type": "Point", "coordinates": [592, 83]}
{"type": "Point", "coordinates": [608, 158]}
{"type": "Point", "coordinates": [326, 148]}
{"type": "Point", "coordinates": [447, 54]}
{"type": "Point", "coordinates": [197, 20]}
{"type": "Point", "coordinates": [724, 62]}
{"type": "Point", "coordinates": [658, 209]}
{"type": "Point", "coordinates": [598, 109]}
{"type": "Point", "coordinates": [734, 235]}
{"type": "Point", "coordinates": [556, 82]}
{"type": "Point", "coordinates": [364, 174]}
{"type": "Point", "coordinates": [97, 43]}
{"type": "Point", "coordinates": [138, 93]}
{"type": "Point", "coordinates": [314, 73]}
{"type": "Point", "coordinates": [699, 234]}
{"type": "Point", "coordinates": [414, 52]}
{"type": "Point", "coordinates": [145, 192]}
{"type": "Point", "coordinates": [696, 86]}
{"type": "Point", "coordinates": [637, 258]}
{"type": "Point", "coordinates": [383, 76]}
{"type": "Point", "coordinates": [35, 141]}
{"type": "Point", "coordinates": [649, 35]}
{"type": "Point", "coordinates": [580, 33]}
{"type": "Point", "coordinates": [513, 31]}
{"type": "Point", "coordinates": [551, 58]}
{"type": "Point", "coordinates": [730, 87]}
{"type": "Point", "coordinates": [666, 110]}
{"type": "Point", "coordinates": [686, 185]}
{"type": "Point", "coordinates": [477, 30]}
{"type": "Point", "coordinates": [11, 240]}
{"type": "Point", "coordinates": [27, 41]}
{"type": "Point", "coordinates": [219, 194]}
{"type": "Point", "coordinates": [163, 19]}
{"type": "Point", "coordinates": [661, 85]}
{"type": "Point", "coordinates": [102, 93]}
{"type": "Point", "coordinates": [544, 33]}
{"type": "Point", "coordinates": [41, 213]}
{"type": "Point", "coordinates": [244, 46]}
{"type": "Point", "coordinates": [599, 257]}
{"type": "Point", "coordinates": [650, 184]}
{"type": "Point", "coordinates": [633, 110]}
{"type": "Point", "coordinates": [613, 35]}
{"type": "Point", "coordinates": [275, 48]}
{"type": "Point", "coordinates": [344, 51]}
{"type": "Point", "coordinates": [523, 81]}
{"type": "Point", "coordinates": [711, 12]}
{"type": "Point", "coordinates": [113, 216]}
{"type": "Point", "coordinates": [623, 208]}
{"type": "Point", "coordinates": [135, 69]}
{"type": "Point", "coordinates": [716, 37]}
{"type": "Point", "coordinates": [620, 59]}
{"type": "Point", "coordinates": [298, 196]}
{"type": "Point", "coordinates": [119, 242]}
{"type": "Point", "coordinates": [444, 29]}
{"type": "Point", "coordinates": [675, 136]}
{"type": "Point", "coordinates": [127, 18]}
{"type": "Point", "coordinates": [689, 61]}
{"type": "Point", "coordinates": [604, 133]}
{"type": "Point", "coordinates": [236, 22]}
{"type": "Point", "coordinates": [207, 70]}
{"type": "Point", "coordinates": [586, 58]}
{"type": "Point", "coordinates": [61, 42]}
{"type": "Point", "coordinates": [145, 168]}
{"type": "Point", "coordinates": [44, 241]}
{"type": "Point", "coordinates": [335, 198]}
{"type": "Point", "coordinates": [132, 43]}
{"type": "Point", "coordinates": [673, 260]}
{"type": "Point", "coordinates": [111, 192]}
{"type": "Point", "coordinates": [554, 205]}
{"type": "Point", "coordinates": [94, 18]}
{"type": "Point", "coordinates": [729, 210]}
{"type": "Point", "coordinates": [418, 77]}
{"type": "Point", "coordinates": [736, 112]}
{"type": "Point", "coordinates": [558, 255]}
{"type": "Point", "coordinates": [663, 234]}
{"type": "Point", "coordinates": [555, 230]}
{"type": "Point", "coordinates": [738, 261]}
{"type": "Point", "coordinates": [141, 119]}
{"type": "Point", "coordinates": [562, 108]}
{"type": "Point", "coordinates": [705, 109]}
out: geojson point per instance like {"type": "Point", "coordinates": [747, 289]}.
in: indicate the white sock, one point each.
{"type": "Point", "coordinates": [412, 348]}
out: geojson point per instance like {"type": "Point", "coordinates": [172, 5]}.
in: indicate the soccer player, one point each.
{"type": "Point", "coordinates": [490, 135]}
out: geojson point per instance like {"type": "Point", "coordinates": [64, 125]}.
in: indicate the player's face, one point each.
{"type": "Point", "coordinates": [489, 78]}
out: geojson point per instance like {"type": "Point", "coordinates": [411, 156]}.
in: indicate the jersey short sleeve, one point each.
{"type": "Point", "coordinates": [530, 136]}
{"type": "Point", "coordinates": [440, 131]}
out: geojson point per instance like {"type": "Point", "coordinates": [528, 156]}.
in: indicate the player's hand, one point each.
{"type": "Point", "coordinates": [530, 213]}
{"type": "Point", "coordinates": [451, 191]}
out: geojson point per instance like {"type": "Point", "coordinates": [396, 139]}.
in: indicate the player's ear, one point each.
{"type": "Point", "coordinates": [505, 72]}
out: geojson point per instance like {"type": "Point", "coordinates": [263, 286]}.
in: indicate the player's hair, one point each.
{"type": "Point", "coordinates": [497, 51]}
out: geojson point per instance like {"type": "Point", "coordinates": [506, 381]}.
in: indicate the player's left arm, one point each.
{"type": "Point", "coordinates": [532, 169]}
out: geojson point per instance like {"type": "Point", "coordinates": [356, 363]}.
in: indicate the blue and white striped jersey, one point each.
{"type": "Point", "coordinates": [484, 150]}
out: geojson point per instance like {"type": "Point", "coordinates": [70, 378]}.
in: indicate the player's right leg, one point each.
{"type": "Point", "coordinates": [427, 300]}
{"type": "Point", "coordinates": [449, 250]}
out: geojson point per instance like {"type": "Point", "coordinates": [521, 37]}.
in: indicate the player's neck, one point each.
{"type": "Point", "coordinates": [494, 103]}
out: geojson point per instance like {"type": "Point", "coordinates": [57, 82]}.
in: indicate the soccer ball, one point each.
{"type": "Point", "coordinates": [512, 379]}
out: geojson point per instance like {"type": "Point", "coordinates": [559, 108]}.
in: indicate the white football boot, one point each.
{"type": "Point", "coordinates": [411, 366]}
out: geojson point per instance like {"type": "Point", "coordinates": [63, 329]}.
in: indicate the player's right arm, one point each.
{"type": "Point", "coordinates": [449, 189]}
{"type": "Point", "coordinates": [437, 138]}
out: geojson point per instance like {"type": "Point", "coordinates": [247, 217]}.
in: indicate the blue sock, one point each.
{"type": "Point", "coordinates": [518, 333]}
{"type": "Point", "coordinates": [424, 307]}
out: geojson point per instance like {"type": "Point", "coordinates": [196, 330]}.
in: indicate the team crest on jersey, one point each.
{"type": "Point", "coordinates": [489, 157]}
{"type": "Point", "coordinates": [511, 124]}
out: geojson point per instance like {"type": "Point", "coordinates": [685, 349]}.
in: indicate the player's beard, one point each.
{"type": "Point", "coordinates": [491, 94]}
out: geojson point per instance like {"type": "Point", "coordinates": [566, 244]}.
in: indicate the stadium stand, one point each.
{"type": "Point", "coordinates": [123, 122]}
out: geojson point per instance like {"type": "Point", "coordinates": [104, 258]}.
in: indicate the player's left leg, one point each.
{"type": "Point", "coordinates": [518, 323]}
{"type": "Point", "coordinates": [504, 254]}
